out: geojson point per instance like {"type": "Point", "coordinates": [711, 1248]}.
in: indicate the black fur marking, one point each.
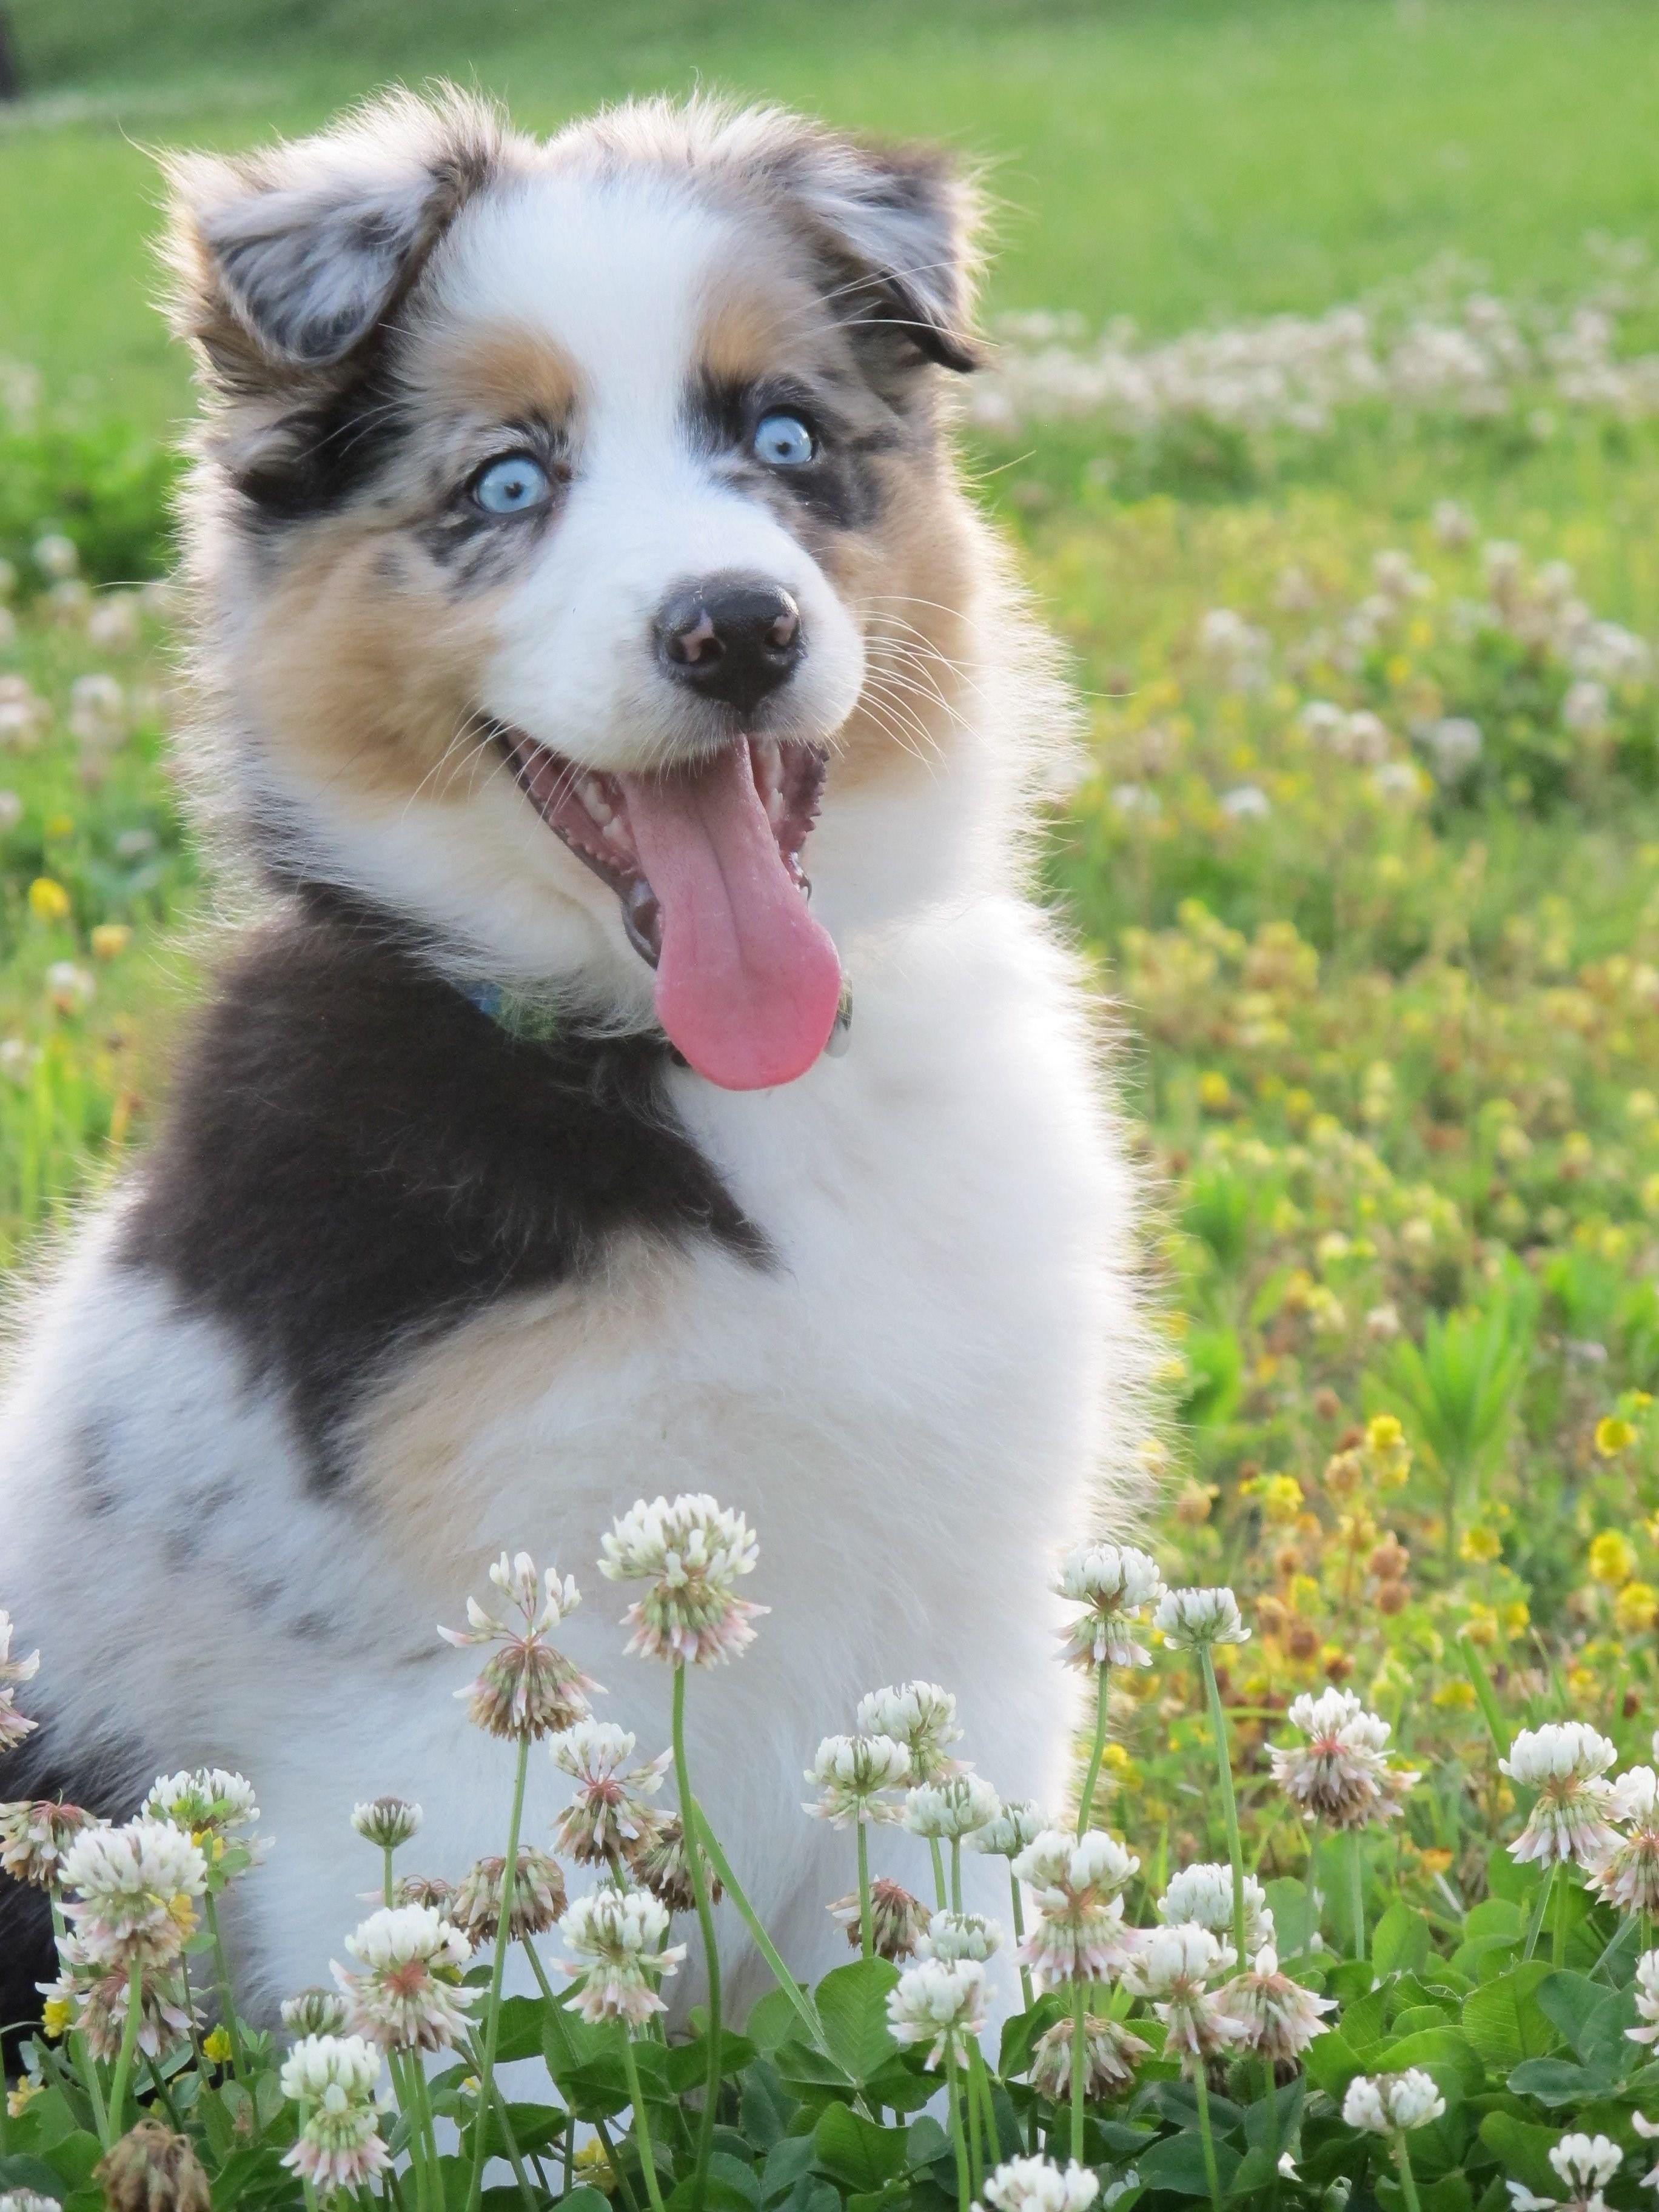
{"type": "Point", "coordinates": [839, 486]}
{"type": "Point", "coordinates": [329, 452]}
{"type": "Point", "coordinates": [105, 1780]}
{"type": "Point", "coordinates": [357, 1157]}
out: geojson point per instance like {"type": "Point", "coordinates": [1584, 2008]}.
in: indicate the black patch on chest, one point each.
{"type": "Point", "coordinates": [358, 1157]}
{"type": "Point", "coordinates": [109, 1781]}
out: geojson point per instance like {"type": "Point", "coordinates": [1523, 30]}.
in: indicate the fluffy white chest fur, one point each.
{"type": "Point", "coordinates": [912, 1406]}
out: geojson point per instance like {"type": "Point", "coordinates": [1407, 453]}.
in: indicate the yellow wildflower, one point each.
{"type": "Point", "coordinates": [1215, 1093]}
{"type": "Point", "coordinates": [1454, 1696]}
{"type": "Point", "coordinates": [48, 900]}
{"type": "Point", "coordinates": [18, 2100]}
{"type": "Point", "coordinates": [1612, 1558]}
{"type": "Point", "coordinates": [1515, 1616]}
{"type": "Point", "coordinates": [1613, 1434]}
{"type": "Point", "coordinates": [1636, 1608]}
{"type": "Point", "coordinates": [1480, 1545]}
{"type": "Point", "coordinates": [57, 2015]}
{"type": "Point", "coordinates": [215, 2046]}
{"type": "Point", "coordinates": [110, 939]}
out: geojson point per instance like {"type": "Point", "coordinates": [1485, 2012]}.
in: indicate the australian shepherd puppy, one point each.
{"type": "Point", "coordinates": [647, 1071]}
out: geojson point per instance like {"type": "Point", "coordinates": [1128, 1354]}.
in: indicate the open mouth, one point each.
{"type": "Point", "coordinates": [706, 860]}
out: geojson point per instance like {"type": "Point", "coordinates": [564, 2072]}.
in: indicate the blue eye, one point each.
{"type": "Point", "coordinates": [513, 485]}
{"type": "Point", "coordinates": [783, 441]}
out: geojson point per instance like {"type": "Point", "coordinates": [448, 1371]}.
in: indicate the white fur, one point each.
{"type": "Point", "coordinates": [933, 1390]}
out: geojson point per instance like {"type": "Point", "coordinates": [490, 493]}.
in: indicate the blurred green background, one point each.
{"type": "Point", "coordinates": [1172, 159]}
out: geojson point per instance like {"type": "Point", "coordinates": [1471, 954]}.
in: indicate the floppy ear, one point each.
{"type": "Point", "coordinates": [287, 260]}
{"type": "Point", "coordinates": [904, 217]}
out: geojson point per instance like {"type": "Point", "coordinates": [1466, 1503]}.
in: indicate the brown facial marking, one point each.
{"type": "Point", "coordinates": [506, 371]}
{"type": "Point", "coordinates": [364, 670]}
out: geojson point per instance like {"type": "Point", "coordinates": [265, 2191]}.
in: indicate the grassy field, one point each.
{"type": "Point", "coordinates": [1369, 837]}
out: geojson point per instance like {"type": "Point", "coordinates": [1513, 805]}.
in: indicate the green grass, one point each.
{"type": "Point", "coordinates": [1173, 162]}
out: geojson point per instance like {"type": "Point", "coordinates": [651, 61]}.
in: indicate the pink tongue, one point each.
{"type": "Point", "coordinates": [748, 983]}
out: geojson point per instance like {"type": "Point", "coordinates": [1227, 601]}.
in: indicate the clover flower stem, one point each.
{"type": "Point", "coordinates": [401, 2066]}
{"type": "Point", "coordinates": [1097, 1752]}
{"type": "Point", "coordinates": [1316, 1837]}
{"type": "Point", "coordinates": [751, 1920]}
{"type": "Point", "coordinates": [514, 2156]}
{"type": "Point", "coordinates": [164, 2095]}
{"type": "Point", "coordinates": [1559, 1930]}
{"type": "Point", "coordinates": [642, 2124]}
{"type": "Point", "coordinates": [866, 1926]}
{"type": "Point", "coordinates": [538, 1969]}
{"type": "Point", "coordinates": [227, 2003]}
{"type": "Point", "coordinates": [1356, 1894]}
{"type": "Point", "coordinates": [953, 2098]}
{"type": "Point", "coordinates": [1546, 1891]}
{"type": "Point", "coordinates": [979, 2079]}
{"type": "Point", "coordinates": [1616, 1943]}
{"type": "Point", "coordinates": [1228, 1802]}
{"type": "Point", "coordinates": [388, 1887]}
{"type": "Point", "coordinates": [307, 2186]}
{"type": "Point", "coordinates": [1016, 1913]}
{"type": "Point", "coordinates": [492, 2021]}
{"type": "Point", "coordinates": [956, 1873]}
{"type": "Point", "coordinates": [1204, 2134]}
{"type": "Point", "coordinates": [1079, 2062]}
{"type": "Point", "coordinates": [691, 1820]}
{"type": "Point", "coordinates": [84, 2063]}
{"type": "Point", "coordinates": [975, 2141]}
{"type": "Point", "coordinates": [1403, 2158]}
{"type": "Point", "coordinates": [118, 2087]}
{"type": "Point", "coordinates": [615, 2164]}
{"type": "Point", "coordinates": [939, 1873]}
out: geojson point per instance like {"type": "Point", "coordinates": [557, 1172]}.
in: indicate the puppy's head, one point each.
{"type": "Point", "coordinates": [573, 526]}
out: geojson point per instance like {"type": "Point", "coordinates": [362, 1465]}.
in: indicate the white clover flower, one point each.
{"type": "Point", "coordinates": [660, 1862]}
{"type": "Point", "coordinates": [1626, 1873]}
{"type": "Point", "coordinates": [692, 1553]}
{"type": "Point", "coordinates": [1037, 2184]}
{"type": "Point", "coordinates": [1341, 1775]}
{"type": "Point", "coordinates": [1015, 1826]}
{"type": "Point", "coordinates": [71, 987]}
{"type": "Point", "coordinates": [34, 1834]}
{"type": "Point", "coordinates": [315, 2012]}
{"type": "Point", "coordinates": [1566, 1763]}
{"type": "Point", "coordinates": [850, 1772]}
{"type": "Point", "coordinates": [1077, 1886]}
{"type": "Point", "coordinates": [527, 1686]}
{"type": "Point", "coordinates": [1174, 1966]}
{"type": "Point", "coordinates": [1110, 2055]}
{"type": "Point", "coordinates": [332, 2079]}
{"type": "Point", "coordinates": [1452, 524]}
{"type": "Point", "coordinates": [1392, 2104]}
{"type": "Point", "coordinates": [608, 1815]}
{"type": "Point", "coordinates": [26, 2200]}
{"type": "Point", "coordinates": [1247, 802]}
{"type": "Point", "coordinates": [55, 556]}
{"type": "Point", "coordinates": [1114, 1583]}
{"type": "Point", "coordinates": [408, 1995]}
{"type": "Point", "coordinates": [898, 1921]}
{"type": "Point", "coordinates": [133, 1892]}
{"type": "Point", "coordinates": [952, 1809]}
{"type": "Point", "coordinates": [1586, 2164]}
{"type": "Point", "coordinates": [1647, 2130]}
{"type": "Point", "coordinates": [616, 1939]}
{"type": "Point", "coordinates": [1455, 744]}
{"type": "Point", "coordinates": [1279, 2018]}
{"type": "Point", "coordinates": [538, 1897]}
{"type": "Point", "coordinates": [386, 1822]}
{"type": "Point", "coordinates": [922, 1717]}
{"type": "Point", "coordinates": [952, 1935]}
{"type": "Point", "coordinates": [14, 1725]}
{"type": "Point", "coordinates": [1647, 1998]}
{"type": "Point", "coordinates": [91, 1994]}
{"type": "Point", "coordinates": [1204, 1894]}
{"type": "Point", "coordinates": [940, 2004]}
{"type": "Point", "coordinates": [1584, 709]}
{"type": "Point", "coordinates": [1191, 1620]}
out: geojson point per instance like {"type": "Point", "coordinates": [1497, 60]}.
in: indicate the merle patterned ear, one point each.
{"type": "Point", "coordinates": [286, 260]}
{"type": "Point", "coordinates": [906, 217]}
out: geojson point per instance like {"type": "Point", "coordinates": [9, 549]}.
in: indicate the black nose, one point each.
{"type": "Point", "coordinates": [732, 638]}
